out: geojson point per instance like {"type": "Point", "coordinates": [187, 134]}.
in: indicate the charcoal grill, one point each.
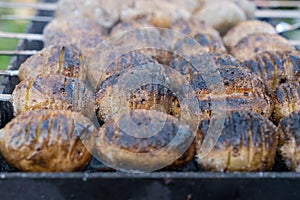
{"type": "Point", "coordinates": [188, 183]}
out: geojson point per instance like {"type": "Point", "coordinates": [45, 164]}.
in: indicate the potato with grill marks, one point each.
{"type": "Point", "coordinates": [286, 100]}
{"type": "Point", "coordinates": [192, 27]}
{"type": "Point", "coordinates": [289, 141]}
{"type": "Point", "coordinates": [47, 141]}
{"type": "Point", "coordinates": [143, 95]}
{"type": "Point", "coordinates": [97, 73]}
{"type": "Point", "coordinates": [243, 90]}
{"type": "Point", "coordinates": [120, 145]}
{"type": "Point", "coordinates": [275, 67]}
{"type": "Point", "coordinates": [256, 43]}
{"type": "Point", "coordinates": [207, 43]}
{"type": "Point", "coordinates": [247, 142]}
{"type": "Point", "coordinates": [234, 35]}
{"type": "Point", "coordinates": [64, 60]}
{"type": "Point", "coordinates": [54, 92]}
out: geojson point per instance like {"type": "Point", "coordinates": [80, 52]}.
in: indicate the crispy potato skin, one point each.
{"type": "Point", "coordinates": [256, 43]}
{"type": "Point", "coordinates": [47, 141]}
{"type": "Point", "coordinates": [64, 60]}
{"type": "Point", "coordinates": [275, 67]}
{"type": "Point", "coordinates": [247, 142]}
{"type": "Point", "coordinates": [53, 92]}
{"type": "Point", "coordinates": [286, 99]}
{"type": "Point", "coordinates": [289, 140]}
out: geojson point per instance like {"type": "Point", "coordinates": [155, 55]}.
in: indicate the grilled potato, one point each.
{"type": "Point", "coordinates": [124, 147]}
{"type": "Point", "coordinates": [105, 13]}
{"type": "Point", "coordinates": [275, 67]}
{"type": "Point", "coordinates": [242, 91]}
{"type": "Point", "coordinates": [221, 15]}
{"type": "Point", "coordinates": [47, 141]}
{"type": "Point", "coordinates": [64, 60]}
{"type": "Point", "coordinates": [97, 73]}
{"type": "Point", "coordinates": [286, 100]}
{"type": "Point", "coordinates": [136, 92]}
{"type": "Point", "coordinates": [245, 28]}
{"type": "Point", "coordinates": [289, 140]}
{"type": "Point", "coordinates": [247, 142]}
{"type": "Point", "coordinates": [256, 43]}
{"type": "Point", "coordinates": [54, 92]}
{"type": "Point", "coordinates": [82, 32]}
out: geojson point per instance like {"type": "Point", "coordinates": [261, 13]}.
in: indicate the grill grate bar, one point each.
{"type": "Point", "coordinates": [18, 52]}
{"type": "Point", "coordinates": [23, 18]}
{"type": "Point", "coordinates": [26, 36]}
{"type": "Point", "coordinates": [37, 6]}
{"type": "Point", "coordinates": [9, 72]}
{"type": "Point", "coordinates": [276, 4]}
{"type": "Point", "coordinates": [295, 14]}
{"type": "Point", "coordinates": [5, 97]}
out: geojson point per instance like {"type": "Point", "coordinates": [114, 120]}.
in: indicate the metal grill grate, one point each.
{"type": "Point", "coordinates": [185, 185]}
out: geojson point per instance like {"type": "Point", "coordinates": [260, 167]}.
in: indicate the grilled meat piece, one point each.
{"type": "Point", "coordinates": [275, 67]}
{"type": "Point", "coordinates": [221, 15]}
{"type": "Point", "coordinates": [105, 13]}
{"type": "Point", "coordinates": [119, 144]}
{"type": "Point", "coordinates": [256, 43]}
{"type": "Point", "coordinates": [64, 60]}
{"type": "Point", "coordinates": [289, 128]}
{"type": "Point", "coordinates": [247, 142]}
{"type": "Point", "coordinates": [83, 33]}
{"type": "Point", "coordinates": [243, 90]}
{"type": "Point", "coordinates": [243, 29]}
{"type": "Point", "coordinates": [47, 141]}
{"type": "Point", "coordinates": [286, 100]}
{"type": "Point", "coordinates": [97, 73]}
{"type": "Point", "coordinates": [132, 89]}
{"type": "Point", "coordinates": [54, 92]}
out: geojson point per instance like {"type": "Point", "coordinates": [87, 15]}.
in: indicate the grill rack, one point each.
{"type": "Point", "coordinates": [116, 185]}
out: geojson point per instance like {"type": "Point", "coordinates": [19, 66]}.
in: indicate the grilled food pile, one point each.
{"type": "Point", "coordinates": [61, 92]}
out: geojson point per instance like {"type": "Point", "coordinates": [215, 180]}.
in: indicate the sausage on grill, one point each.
{"type": "Point", "coordinates": [47, 141]}
{"type": "Point", "coordinates": [256, 43]}
{"type": "Point", "coordinates": [247, 142]}
{"type": "Point", "coordinates": [83, 33]}
{"type": "Point", "coordinates": [275, 67]}
{"type": "Point", "coordinates": [234, 35]}
{"type": "Point", "coordinates": [54, 92]}
{"type": "Point", "coordinates": [286, 100]}
{"type": "Point", "coordinates": [64, 60]}
{"type": "Point", "coordinates": [118, 144]}
{"type": "Point", "coordinates": [289, 142]}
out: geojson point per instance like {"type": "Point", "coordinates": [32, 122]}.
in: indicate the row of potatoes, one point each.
{"type": "Point", "coordinates": [261, 75]}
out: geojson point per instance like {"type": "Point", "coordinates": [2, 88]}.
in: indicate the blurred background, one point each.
{"type": "Point", "coordinates": [12, 26]}
{"type": "Point", "coordinates": [20, 26]}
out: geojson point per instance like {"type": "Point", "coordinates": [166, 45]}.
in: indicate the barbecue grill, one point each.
{"type": "Point", "coordinates": [99, 181]}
